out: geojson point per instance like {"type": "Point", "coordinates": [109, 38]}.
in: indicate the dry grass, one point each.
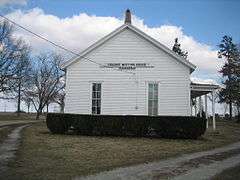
{"type": "Point", "coordinates": [46, 156]}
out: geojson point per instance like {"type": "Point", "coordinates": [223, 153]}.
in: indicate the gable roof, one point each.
{"type": "Point", "coordinates": [140, 33]}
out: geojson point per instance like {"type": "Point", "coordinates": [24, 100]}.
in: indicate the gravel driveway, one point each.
{"type": "Point", "coordinates": [201, 165]}
{"type": "Point", "coordinates": [9, 147]}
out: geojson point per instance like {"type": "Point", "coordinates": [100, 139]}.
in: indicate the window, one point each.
{"type": "Point", "coordinates": [96, 98]}
{"type": "Point", "coordinates": [153, 99]}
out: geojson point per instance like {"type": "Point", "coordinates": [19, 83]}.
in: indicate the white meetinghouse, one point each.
{"type": "Point", "coordinates": [129, 73]}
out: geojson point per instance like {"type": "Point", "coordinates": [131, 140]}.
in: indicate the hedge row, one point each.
{"type": "Point", "coordinates": [117, 125]}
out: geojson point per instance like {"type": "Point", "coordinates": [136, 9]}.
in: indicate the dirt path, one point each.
{"type": "Point", "coordinates": [9, 147]}
{"type": "Point", "coordinates": [201, 165]}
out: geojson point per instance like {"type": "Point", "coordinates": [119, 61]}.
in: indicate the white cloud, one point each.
{"type": "Point", "coordinates": [202, 55]}
{"type": "Point", "coordinates": [203, 81]}
{"type": "Point", "coordinates": [75, 33]}
{"type": "Point", "coordinates": [13, 2]}
{"type": "Point", "coordinates": [79, 31]}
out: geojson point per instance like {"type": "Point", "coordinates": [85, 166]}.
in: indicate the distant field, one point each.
{"type": "Point", "coordinates": [10, 116]}
{"type": "Point", "coordinates": [43, 155]}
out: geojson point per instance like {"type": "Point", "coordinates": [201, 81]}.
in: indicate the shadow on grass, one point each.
{"type": "Point", "coordinates": [128, 137]}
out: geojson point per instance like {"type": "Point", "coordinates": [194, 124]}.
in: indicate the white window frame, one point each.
{"type": "Point", "coordinates": [147, 97]}
{"type": "Point", "coordinates": [96, 98]}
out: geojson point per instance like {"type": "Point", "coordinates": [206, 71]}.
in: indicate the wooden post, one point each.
{"type": "Point", "coordinates": [195, 106]}
{"type": "Point", "coordinates": [206, 110]}
{"type": "Point", "coordinates": [191, 106]}
{"type": "Point", "coordinates": [213, 110]}
{"type": "Point", "coordinates": [200, 106]}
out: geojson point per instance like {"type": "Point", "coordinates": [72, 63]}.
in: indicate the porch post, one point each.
{"type": "Point", "coordinates": [200, 106]}
{"type": "Point", "coordinates": [195, 106]}
{"type": "Point", "coordinates": [206, 110]}
{"type": "Point", "coordinates": [191, 106]}
{"type": "Point", "coordinates": [213, 110]}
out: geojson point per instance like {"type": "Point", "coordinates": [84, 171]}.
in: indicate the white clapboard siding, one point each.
{"type": "Point", "coordinates": [123, 92]}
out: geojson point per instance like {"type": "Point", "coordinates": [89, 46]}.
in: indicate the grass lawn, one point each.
{"type": "Point", "coordinates": [46, 156]}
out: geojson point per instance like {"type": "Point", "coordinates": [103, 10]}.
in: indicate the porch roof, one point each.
{"type": "Point", "coordinates": [201, 89]}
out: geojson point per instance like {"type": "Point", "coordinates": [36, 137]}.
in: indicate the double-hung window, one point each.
{"type": "Point", "coordinates": [153, 99]}
{"type": "Point", "coordinates": [96, 98]}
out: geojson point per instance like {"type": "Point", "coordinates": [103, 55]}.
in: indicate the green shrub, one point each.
{"type": "Point", "coordinates": [136, 125]}
{"type": "Point", "coordinates": [57, 123]}
{"type": "Point", "coordinates": [81, 124]}
{"type": "Point", "coordinates": [117, 125]}
{"type": "Point", "coordinates": [108, 125]}
{"type": "Point", "coordinates": [178, 126]}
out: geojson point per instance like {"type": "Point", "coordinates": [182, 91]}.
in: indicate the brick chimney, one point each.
{"type": "Point", "coordinates": [128, 17]}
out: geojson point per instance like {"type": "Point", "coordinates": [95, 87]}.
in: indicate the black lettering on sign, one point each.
{"type": "Point", "coordinates": [127, 66]}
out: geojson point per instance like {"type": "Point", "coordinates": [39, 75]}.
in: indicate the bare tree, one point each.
{"type": "Point", "coordinates": [26, 100]}
{"type": "Point", "coordinates": [45, 81]}
{"type": "Point", "coordinates": [11, 52]}
{"type": "Point", "coordinates": [22, 77]}
{"type": "Point", "coordinates": [59, 99]}
{"type": "Point", "coordinates": [216, 97]}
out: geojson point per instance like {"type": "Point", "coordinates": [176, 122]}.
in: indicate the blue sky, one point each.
{"type": "Point", "coordinates": [205, 20]}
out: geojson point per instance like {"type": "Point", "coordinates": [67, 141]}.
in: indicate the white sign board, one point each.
{"type": "Point", "coordinates": [127, 66]}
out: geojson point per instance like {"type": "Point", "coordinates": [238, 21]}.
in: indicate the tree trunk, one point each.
{"type": "Point", "coordinates": [62, 105]}
{"type": "Point", "coordinates": [230, 110]}
{"type": "Point", "coordinates": [238, 117]}
{"type": "Point", "coordinates": [39, 112]}
{"type": "Point", "coordinates": [47, 107]}
{"type": "Point", "coordinates": [62, 108]}
{"type": "Point", "coordinates": [38, 115]}
{"type": "Point", "coordinates": [230, 93]}
{"type": "Point", "coordinates": [19, 99]}
{"type": "Point", "coordinates": [28, 106]}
